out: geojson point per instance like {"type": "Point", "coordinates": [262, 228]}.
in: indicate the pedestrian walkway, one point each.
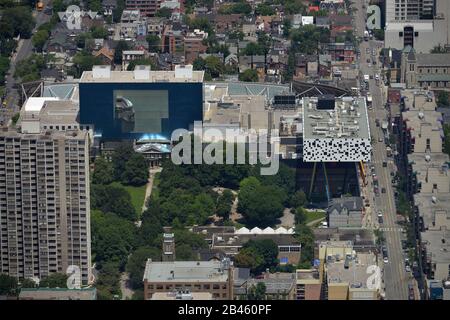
{"type": "Point", "coordinates": [391, 229]}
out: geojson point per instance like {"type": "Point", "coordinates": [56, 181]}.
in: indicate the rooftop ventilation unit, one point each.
{"type": "Point", "coordinates": [142, 72]}
{"type": "Point", "coordinates": [101, 72]}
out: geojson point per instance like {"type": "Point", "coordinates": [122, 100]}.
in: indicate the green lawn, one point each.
{"type": "Point", "coordinates": [311, 216]}
{"type": "Point", "coordinates": [137, 197]}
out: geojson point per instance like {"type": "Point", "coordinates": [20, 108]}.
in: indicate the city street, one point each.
{"type": "Point", "coordinates": [23, 51]}
{"type": "Point", "coordinates": [395, 277]}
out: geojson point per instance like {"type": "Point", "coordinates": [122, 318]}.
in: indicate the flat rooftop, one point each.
{"type": "Point", "coordinates": [437, 243]}
{"type": "Point", "coordinates": [222, 240]}
{"type": "Point", "coordinates": [104, 75]}
{"type": "Point", "coordinates": [273, 285]}
{"type": "Point", "coordinates": [187, 271]}
{"type": "Point", "coordinates": [48, 112]}
{"type": "Point", "coordinates": [355, 275]}
{"type": "Point", "coordinates": [308, 276]}
{"type": "Point", "coordinates": [173, 296]}
{"type": "Point", "coordinates": [58, 294]}
{"type": "Point", "coordinates": [419, 100]}
{"type": "Point", "coordinates": [348, 119]}
{"type": "Point", "coordinates": [434, 209]}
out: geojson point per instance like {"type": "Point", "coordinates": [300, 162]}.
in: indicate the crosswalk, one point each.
{"type": "Point", "coordinates": [391, 229]}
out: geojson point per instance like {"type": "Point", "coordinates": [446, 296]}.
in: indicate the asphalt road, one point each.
{"type": "Point", "coordinates": [395, 277]}
{"type": "Point", "coordinates": [24, 50]}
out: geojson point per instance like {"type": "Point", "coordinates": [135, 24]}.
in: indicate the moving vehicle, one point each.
{"type": "Point", "coordinates": [384, 164]}
{"type": "Point", "coordinates": [380, 219]}
{"type": "Point", "coordinates": [369, 99]}
{"type": "Point", "coordinates": [385, 260]}
{"type": "Point", "coordinates": [383, 190]}
{"type": "Point", "coordinates": [366, 78]}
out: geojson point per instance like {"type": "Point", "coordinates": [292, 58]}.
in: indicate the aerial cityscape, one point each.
{"type": "Point", "coordinates": [224, 150]}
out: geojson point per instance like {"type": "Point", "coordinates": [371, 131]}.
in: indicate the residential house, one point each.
{"type": "Point", "coordinates": [106, 55]}
{"type": "Point", "coordinates": [193, 45]}
{"type": "Point", "coordinates": [132, 24]}
{"type": "Point", "coordinates": [249, 30]}
{"type": "Point", "coordinates": [232, 60]}
{"type": "Point", "coordinates": [131, 55]}
{"type": "Point", "coordinates": [226, 22]}
{"type": "Point", "coordinates": [345, 212]}
{"type": "Point", "coordinates": [155, 26]}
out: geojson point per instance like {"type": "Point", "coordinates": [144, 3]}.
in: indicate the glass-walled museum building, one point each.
{"type": "Point", "coordinates": [141, 103]}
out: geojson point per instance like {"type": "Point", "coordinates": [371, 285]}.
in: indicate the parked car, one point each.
{"type": "Point", "coordinates": [383, 190]}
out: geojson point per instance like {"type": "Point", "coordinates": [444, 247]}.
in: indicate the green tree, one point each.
{"type": "Point", "coordinates": [121, 46]}
{"type": "Point", "coordinates": [164, 13]}
{"type": "Point", "coordinates": [305, 235]}
{"type": "Point", "coordinates": [249, 258]}
{"type": "Point", "coordinates": [103, 171]}
{"type": "Point", "coordinates": [300, 215]}
{"type": "Point", "coordinates": [154, 43]}
{"type": "Point", "coordinates": [257, 292]}
{"type": "Point", "coordinates": [15, 118]}
{"type": "Point", "coordinates": [17, 21]}
{"type": "Point", "coordinates": [27, 283]}
{"type": "Point", "coordinates": [142, 62]}
{"type": "Point", "coordinates": [214, 66]}
{"type": "Point", "coordinates": [8, 285]}
{"type": "Point", "coordinates": [199, 64]}
{"type": "Point", "coordinates": [258, 255]}
{"type": "Point", "coordinates": [136, 264]}
{"type": "Point", "coordinates": [99, 32]}
{"type": "Point", "coordinates": [55, 280]}
{"type": "Point", "coordinates": [136, 171]}
{"type": "Point", "coordinates": [249, 75]}
{"type": "Point", "coordinates": [84, 61]}
{"type": "Point", "coordinates": [264, 9]}
{"type": "Point", "coordinates": [298, 199]}
{"type": "Point", "coordinates": [117, 12]}
{"type": "Point", "coordinates": [113, 198]}
{"type": "Point", "coordinates": [39, 39]}
{"type": "Point", "coordinates": [112, 238]}
{"type": "Point", "coordinates": [294, 7]}
{"type": "Point", "coordinates": [224, 203]}
{"type": "Point", "coordinates": [29, 69]}
{"type": "Point", "coordinates": [263, 206]}
{"type": "Point", "coordinates": [443, 99]}
{"type": "Point", "coordinates": [378, 34]}
{"type": "Point", "coordinates": [108, 282]}
{"type": "Point", "coordinates": [120, 157]}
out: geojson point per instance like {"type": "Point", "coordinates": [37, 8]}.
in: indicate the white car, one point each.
{"type": "Point", "coordinates": [385, 260]}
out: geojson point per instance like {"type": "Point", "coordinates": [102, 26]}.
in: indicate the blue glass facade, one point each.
{"type": "Point", "coordinates": [136, 110]}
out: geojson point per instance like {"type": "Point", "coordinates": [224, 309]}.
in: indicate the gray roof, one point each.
{"type": "Point", "coordinates": [273, 285]}
{"type": "Point", "coordinates": [190, 271]}
{"type": "Point", "coordinates": [349, 203]}
{"type": "Point", "coordinates": [433, 59]}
